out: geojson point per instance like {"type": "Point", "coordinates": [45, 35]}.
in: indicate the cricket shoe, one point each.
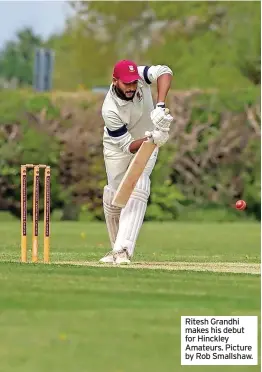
{"type": "Point", "coordinates": [108, 258]}
{"type": "Point", "coordinates": [121, 257]}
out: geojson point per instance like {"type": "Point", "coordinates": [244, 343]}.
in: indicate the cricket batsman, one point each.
{"type": "Point", "coordinates": [130, 119]}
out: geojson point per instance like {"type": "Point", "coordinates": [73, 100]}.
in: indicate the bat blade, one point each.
{"type": "Point", "coordinates": [134, 171]}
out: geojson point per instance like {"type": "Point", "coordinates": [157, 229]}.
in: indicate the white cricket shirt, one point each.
{"type": "Point", "coordinates": [126, 121]}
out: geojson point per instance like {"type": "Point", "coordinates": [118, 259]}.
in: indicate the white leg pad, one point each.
{"type": "Point", "coordinates": [111, 213]}
{"type": "Point", "coordinates": [132, 216]}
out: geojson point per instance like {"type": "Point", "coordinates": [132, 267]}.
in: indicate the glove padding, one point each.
{"type": "Point", "coordinates": [159, 137]}
{"type": "Point", "coordinates": [161, 118]}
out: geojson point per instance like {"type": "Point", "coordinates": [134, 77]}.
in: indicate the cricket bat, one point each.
{"type": "Point", "coordinates": [134, 171]}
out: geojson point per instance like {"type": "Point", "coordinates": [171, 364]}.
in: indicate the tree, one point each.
{"type": "Point", "coordinates": [204, 43]}
{"type": "Point", "coordinates": [92, 41]}
{"type": "Point", "coordinates": [17, 56]}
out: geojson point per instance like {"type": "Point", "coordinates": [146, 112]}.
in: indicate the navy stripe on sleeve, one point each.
{"type": "Point", "coordinates": [146, 75]}
{"type": "Point", "coordinates": [118, 132]}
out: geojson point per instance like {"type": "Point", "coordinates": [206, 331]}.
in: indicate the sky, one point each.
{"type": "Point", "coordinates": [45, 17]}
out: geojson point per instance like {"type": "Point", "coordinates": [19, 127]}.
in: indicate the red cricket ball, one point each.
{"type": "Point", "coordinates": [241, 205]}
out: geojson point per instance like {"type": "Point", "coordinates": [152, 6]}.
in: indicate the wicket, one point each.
{"type": "Point", "coordinates": [36, 183]}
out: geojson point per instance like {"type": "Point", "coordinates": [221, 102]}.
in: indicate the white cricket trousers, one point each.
{"type": "Point", "coordinates": [124, 224]}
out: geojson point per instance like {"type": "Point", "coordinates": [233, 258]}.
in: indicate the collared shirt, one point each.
{"type": "Point", "coordinates": [126, 121]}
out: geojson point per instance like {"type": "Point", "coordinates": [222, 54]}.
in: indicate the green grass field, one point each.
{"type": "Point", "coordinates": [157, 242]}
{"type": "Point", "coordinates": [89, 319]}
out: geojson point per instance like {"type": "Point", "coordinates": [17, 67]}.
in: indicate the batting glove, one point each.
{"type": "Point", "coordinates": [159, 137]}
{"type": "Point", "coordinates": [161, 118]}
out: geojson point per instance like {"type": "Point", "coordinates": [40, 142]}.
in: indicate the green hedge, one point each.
{"type": "Point", "coordinates": [65, 130]}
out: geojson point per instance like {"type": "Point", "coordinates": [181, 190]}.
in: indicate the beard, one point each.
{"type": "Point", "coordinates": [122, 95]}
